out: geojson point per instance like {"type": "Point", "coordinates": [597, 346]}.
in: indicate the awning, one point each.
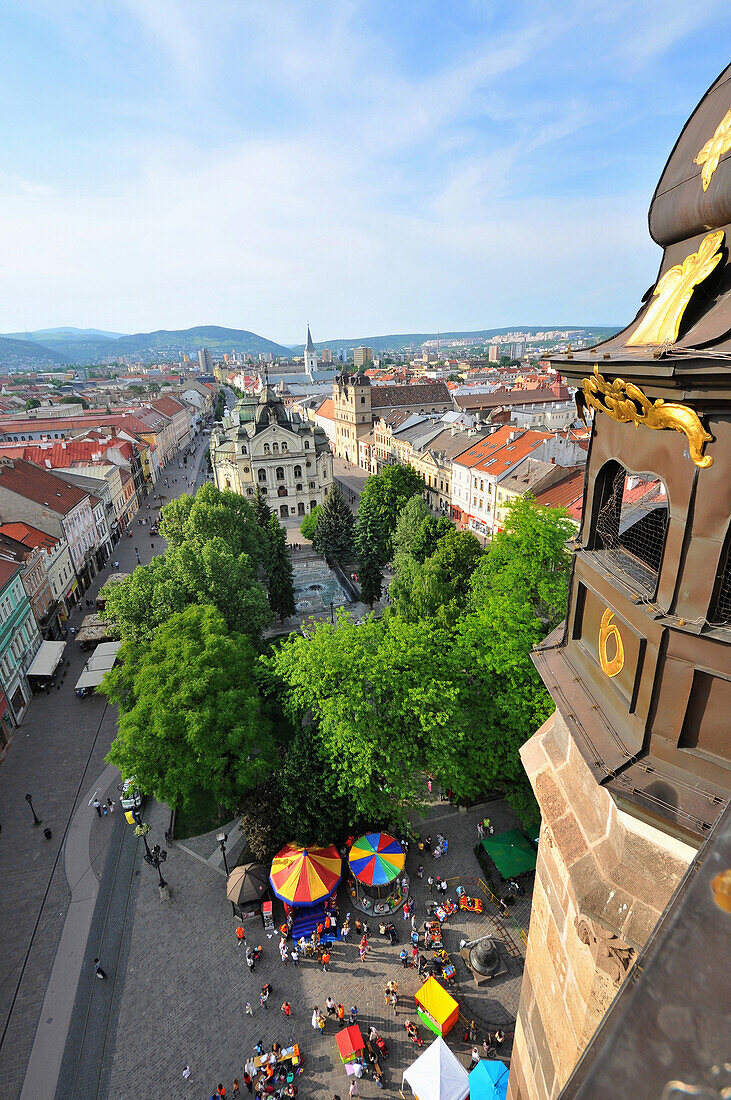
{"type": "Point", "coordinates": [437, 1074]}
{"type": "Point", "coordinates": [511, 853]}
{"type": "Point", "coordinates": [90, 679]}
{"type": "Point", "coordinates": [103, 657]}
{"type": "Point", "coordinates": [47, 659]}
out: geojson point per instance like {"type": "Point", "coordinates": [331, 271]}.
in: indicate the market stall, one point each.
{"type": "Point", "coordinates": [437, 1074]}
{"type": "Point", "coordinates": [350, 1044]}
{"type": "Point", "coordinates": [489, 1080]}
{"type": "Point", "coordinates": [376, 862]}
{"type": "Point", "coordinates": [247, 887]}
{"type": "Point", "coordinates": [94, 629]}
{"type": "Point", "coordinates": [306, 879]}
{"type": "Point", "coordinates": [102, 659]}
{"type": "Point", "coordinates": [436, 1008]}
{"type": "Point", "coordinates": [46, 661]}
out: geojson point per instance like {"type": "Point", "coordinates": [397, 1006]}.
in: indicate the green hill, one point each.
{"type": "Point", "coordinates": [397, 341]}
{"type": "Point", "coordinates": [24, 354]}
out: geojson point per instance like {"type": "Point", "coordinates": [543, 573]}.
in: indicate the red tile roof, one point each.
{"type": "Point", "coordinates": [30, 536]}
{"type": "Point", "coordinates": [568, 493]}
{"type": "Point", "coordinates": [327, 409]}
{"type": "Point", "coordinates": [41, 486]}
{"type": "Point", "coordinates": [512, 451]}
{"type": "Point", "coordinates": [386, 397]}
{"type": "Point", "coordinates": [8, 569]}
{"type": "Point", "coordinates": [168, 405]}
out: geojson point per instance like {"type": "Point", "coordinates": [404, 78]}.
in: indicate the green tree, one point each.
{"type": "Point", "coordinates": [438, 587]}
{"type": "Point", "coordinates": [140, 603]}
{"type": "Point", "coordinates": [390, 702]}
{"type": "Point", "coordinates": [408, 524]}
{"type": "Point", "coordinates": [369, 543]}
{"type": "Point", "coordinates": [32, 403]}
{"type": "Point", "coordinates": [313, 808]}
{"type": "Point", "coordinates": [190, 712]}
{"type": "Point", "coordinates": [279, 572]}
{"type": "Point", "coordinates": [333, 534]}
{"type": "Point", "coordinates": [309, 523]}
{"type": "Point", "coordinates": [215, 513]}
{"type": "Point", "coordinates": [74, 399]}
{"type": "Point", "coordinates": [384, 495]}
{"type": "Point", "coordinates": [262, 511]}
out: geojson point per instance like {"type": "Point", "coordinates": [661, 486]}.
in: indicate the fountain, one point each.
{"type": "Point", "coordinates": [484, 960]}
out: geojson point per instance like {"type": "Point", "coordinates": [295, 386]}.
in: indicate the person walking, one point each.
{"type": "Point", "coordinates": [221, 1091]}
{"type": "Point", "coordinates": [404, 956]}
{"type": "Point", "coordinates": [235, 1089]}
{"type": "Point", "coordinates": [249, 1011]}
{"type": "Point", "coordinates": [247, 1080]}
{"type": "Point", "coordinates": [287, 1009]}
{"type": "Point", "coordinates": [263, 998]}
{"type": "Point", "coordinates": [315, 1016]}
{"type": "Point", "coordinates": [480, 831]}
{"type": "Point", "coordinates": [475, 1057]}
{"type": "Point", "coordinates": [321, 1023]}
{"type": "Point", "coordinates": [330, 1006]}
{"type": "Point", "coordinates": [430, 883]}
{"type": "Point", "coordinates": [110, 805]}
{"type": "Point", "coordinates": [97, 806]}
{"type": "Point", "coordinates": [186, 1073]}
{"type": "Point", "coordinates": [250, 961]}
{"type": "Point", "coordinates": [353, 1088]}
{"type": "Point", "coordinates": [325, 959]}
{"type": "Point", "coordinates": [393, 1000]}
{"type": "Point", "coordinates": [353, 1014]}
{"type": "Point", "coordinates": [341, 1015]}
{"type": "Point", "coordinates": [345, 930]}
{"type": "Point", "coordinates": [295, 956]}
{"type": "Point", "coordinates": [98, 970]}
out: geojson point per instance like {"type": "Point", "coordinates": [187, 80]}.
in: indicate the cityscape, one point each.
{"type": "Point", "coordinates": [363, 699]}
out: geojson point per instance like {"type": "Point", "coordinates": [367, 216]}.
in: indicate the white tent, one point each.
{"type": "Point", "coordinates": [101, 660]}
{"type": "Point", "coordinates": [47, 659]}
{"type": "Point", "coordinates": [437, 1074]}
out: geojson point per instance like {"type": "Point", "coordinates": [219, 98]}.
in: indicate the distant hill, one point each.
{"type": "Point", "coordinates": [406, 339]}
{"type": "Point", "coordinates": [22, 354]}
{"type": "Point", "coordinates": [91, 345]}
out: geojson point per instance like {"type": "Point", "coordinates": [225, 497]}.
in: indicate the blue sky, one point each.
{"type": "Point", "coordinates": [370, 167]}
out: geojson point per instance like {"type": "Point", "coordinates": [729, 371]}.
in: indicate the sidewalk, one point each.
{"type": "Point", "coordinates": [57, 754]}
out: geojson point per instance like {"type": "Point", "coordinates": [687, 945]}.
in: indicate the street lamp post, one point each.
{"type": "Point", "coordinates": [156, 855]}
{"type": "Point", "coordinates": [222, 838]}
{"type": "Point", "coordinates": [36, 818]}
{"type": "Point", "coordinates": [332, 614]}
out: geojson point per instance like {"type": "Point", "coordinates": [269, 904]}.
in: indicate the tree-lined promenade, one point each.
{"type": "Point", "coordinates": [319, 733]}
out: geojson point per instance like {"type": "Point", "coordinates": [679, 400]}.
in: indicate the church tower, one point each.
{"type": "Point", "coordinates": [310, 354]}
{"type": "Point", "coordinates": [634, 768]}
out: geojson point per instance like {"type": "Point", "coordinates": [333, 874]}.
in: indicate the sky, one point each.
{"type": "Point", "coordinates": [367, 167]}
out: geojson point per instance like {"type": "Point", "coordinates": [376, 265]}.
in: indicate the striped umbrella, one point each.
{"type": "Point", "coordinates": [376, 859]}
{"type": "Point", "coordinates": [304, 876]}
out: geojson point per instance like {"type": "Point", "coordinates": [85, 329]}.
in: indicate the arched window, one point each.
{"type": "Point", "coordinates": [298, 471]}
{"type": "Point", "coordinates": [243, 450]}
{"type": "Point", "coordinates": [630, 525]}
{"type": "Point", "coordinates": [280, 473]}
{"type": "Point", "coordinates": [307, 444]}
{"type": "Point", "coordinates": [267, 449]}
{"type": "Point", "coordinates": [262, 475]}
{"type": "Point", "coordinates": [313, 505]}
{"type": "Point", "coordinates": [284, 511]}
{"type": "Point", "coordinates": [284, 448]}
{"type": "Point", "coordinates": [282, 491]}
{"type": "Point", "coordinates": [275, 448]}
{"type": "Point", "coordinates": [228, 482]}
{"type": "Point", "coordinates": [300, 509]}
{"type": "Point", "coordinates": [721, 606]}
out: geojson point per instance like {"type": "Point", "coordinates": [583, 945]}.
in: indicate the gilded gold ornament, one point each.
{"type": "Point", "coordinates": [627, 404]}
{"type": "Point", "coordinates": [713, 150]}
{"type": "Point", "coordinates": [673, 292]}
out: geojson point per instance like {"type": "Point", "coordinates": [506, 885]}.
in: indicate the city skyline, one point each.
{"type": "Point", "coordinates": [370, 169]}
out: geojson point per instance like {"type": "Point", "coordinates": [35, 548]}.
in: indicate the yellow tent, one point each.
{"type": "Point", "coordinates": [437, 1009]}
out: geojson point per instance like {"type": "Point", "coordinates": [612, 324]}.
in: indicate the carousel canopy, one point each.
{"type": "Point", "coordinates": [304, 876]}
{"type": "Point", "coordinates": [376, 859]}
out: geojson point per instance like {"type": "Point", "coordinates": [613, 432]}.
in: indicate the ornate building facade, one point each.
{"type": "Point", "coordinates": [261, 446]}
{"type": "Point", "coordinates": [634, 768]}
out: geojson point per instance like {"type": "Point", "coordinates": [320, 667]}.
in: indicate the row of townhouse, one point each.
{"type": "Point", "coordinates": [473, 473]}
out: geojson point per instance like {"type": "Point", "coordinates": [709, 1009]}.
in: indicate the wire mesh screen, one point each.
{"type": "Point", "coordinates": [721, 612]}
{"type": "Point", "coordinates": [631, 528]}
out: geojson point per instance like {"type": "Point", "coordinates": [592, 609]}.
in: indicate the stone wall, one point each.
{"type": "Point", "coordinates": [602, 880]}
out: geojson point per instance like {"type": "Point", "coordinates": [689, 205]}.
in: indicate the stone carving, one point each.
{"type": "Point", "coordinates": [611, 955]}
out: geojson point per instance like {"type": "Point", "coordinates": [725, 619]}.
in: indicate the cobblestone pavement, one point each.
{"type": "Point", "coordinates": [187, 984]}
{"type": "Point", "coordinates": [54, 755]}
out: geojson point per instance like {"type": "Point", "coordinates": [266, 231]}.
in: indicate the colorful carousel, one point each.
{"type": "Point", "coordinates": [306, 881]}
{"type": "Point", "coordinates": [377, 881]}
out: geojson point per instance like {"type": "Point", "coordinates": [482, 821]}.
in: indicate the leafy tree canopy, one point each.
{"type": "Point", "coordinates": [215, 513]}
{"type": "Point", "coordinates": [370, 541]}
{"type": "Point", "coordinates": [190, 711]}
{"type": "Point", "coordinates": [385, 494]}
{"type": "Point", "coordinates": [438, 587]}
{"type": "Point", "coordinates": [279, 572]}
{"type": "Point", "coordinates": [309, 523]}
{"type": "Point", "coordinates": [32, 403]}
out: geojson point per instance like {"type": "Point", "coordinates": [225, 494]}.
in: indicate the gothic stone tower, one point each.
{"type": "Point", "coordinates": [634, 767]}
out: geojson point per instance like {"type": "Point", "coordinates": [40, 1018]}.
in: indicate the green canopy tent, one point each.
{"type": "Point", "coordinates": [511, 853]}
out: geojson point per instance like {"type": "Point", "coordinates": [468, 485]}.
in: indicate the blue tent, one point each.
{"type": "Point", "coordinates": [489, 1080]}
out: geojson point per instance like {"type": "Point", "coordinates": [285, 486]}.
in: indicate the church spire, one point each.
{"type": "Point", "coordinates": [310, 353]}
{"type": "Point", "coordinates": [309, 346]}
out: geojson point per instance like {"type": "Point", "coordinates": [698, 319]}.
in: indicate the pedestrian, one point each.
{"type": "Point", "coordinates": [427, 844]}
{"type": "Point", "coordinates": [480, 830]}
{"type": "Point", "coordinates": [325, 959]}
{"type": "Point", "coordinates": [499, 1037]}
{"type": "Point", "coordinates": [98, 970]}
{"type": "Point", "coordinates": [110, 805]}
{"type": "Point", "coordinates": [321, 1023]}
{"type": "Point", "coordinates": [393, 998]}
{"type": "Point", "coordinates": [221, 1091]}
{"type": "Point", "coordinates": [330, 1006]}
{"type": "Point", "coordinates": [429, 784]}
{"type": "Point", "coordinates": [407, 910]}
{"type": "Point", "coordinates": [247, 1079]}
{"type": "Point", "coordinates": [250, 959]}
{"type": "Point", "coordinates": [249, 1009]}
{"type": "Point", "coordinates": [287, 1008]}
{"type": "Point", "coordinates": [353, 1014]}
{"type": "Point", "coordinates": [473, 1032]}
{"type": "Point", "coordinates": [263, 998]}
{"type": "Point", "coordinates": [420, 871]}
{"type": "Point", "coordinates": [315, 1015]}
{"type": "Point", "coordinates": [240, 935]}
{"type": "Point", "coordinates": [235, 1088]}
{"type": "Point", "coordinates": [345, 930]}
{"type": "Point", "coordinates": [404, 956]}
{"type": "Point", "coordinates": [413, 922]}
{"type": "Point", "coordinates": [486, 1045]}
{"type": "Point", "coordinates": [295, 956]}
{"type": "Point", "coordinates": [475, 1057]}
{"type": "Point", "coordinates": [444, 886]}
{"type": "Point", "coordinates": [353, 1088]}
{"type": "Point", "coordinates": [186, 1073]}
{"type": "Point", "coordinates": [430, 883]}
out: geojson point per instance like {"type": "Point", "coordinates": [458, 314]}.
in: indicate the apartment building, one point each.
{"type": "Point", "coordinates": [58, 564]}
{"type": "Point", "coordinates": [20, 639]}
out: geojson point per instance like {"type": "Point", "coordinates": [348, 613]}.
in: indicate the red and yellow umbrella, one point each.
{"type": "Point", "coordinates": [376, 859]}
{"type": "Point", "coordinates": [304, 876]}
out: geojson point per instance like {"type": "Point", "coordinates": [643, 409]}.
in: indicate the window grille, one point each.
{"type": "Point", "coordinates": [631, 528]}
{"type": "Point", "coordinates": [721, 610]}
